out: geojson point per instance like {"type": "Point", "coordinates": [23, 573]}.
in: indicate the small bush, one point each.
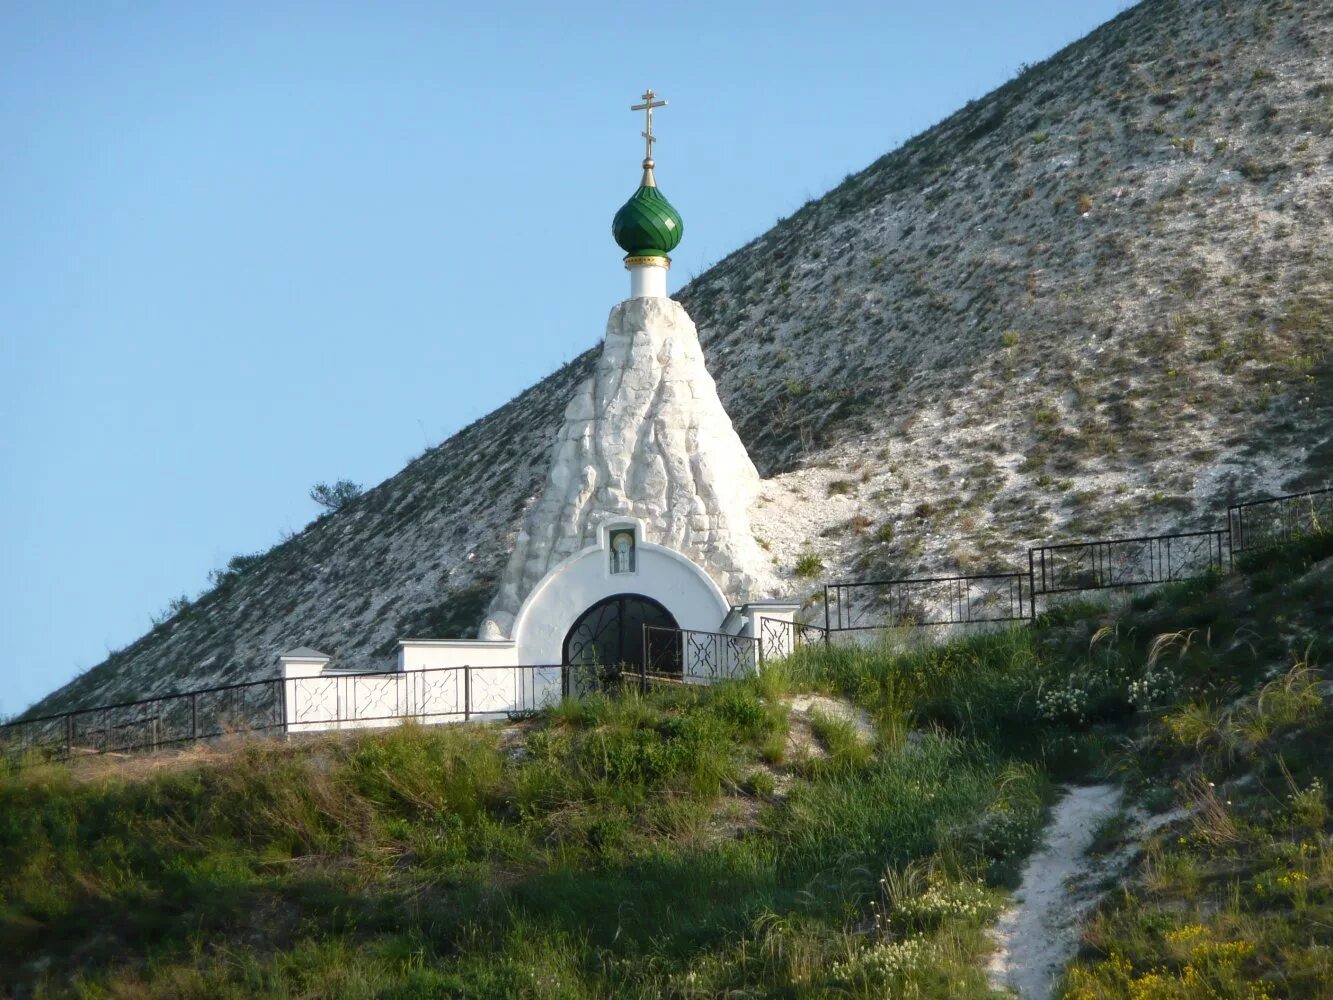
{"type": "Point", "coordinates": [808, 565]}
{"type": "Point", "coordinates": [335, 497]}
{"type": "Point", "coordinates": [1255, 170]}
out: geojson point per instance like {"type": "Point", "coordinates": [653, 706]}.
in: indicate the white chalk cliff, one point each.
{"type": "Point", "coordinates": [644, 436]}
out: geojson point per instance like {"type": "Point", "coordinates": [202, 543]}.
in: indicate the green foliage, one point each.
{"type": "Point", "coordinates": [336, 496]}
{"type": "Point", "coordinates": [676, 843]}
{"type": "Point", "coordinates": [808, 565]}
{"type": "Point", "coordinates": [847, 751]}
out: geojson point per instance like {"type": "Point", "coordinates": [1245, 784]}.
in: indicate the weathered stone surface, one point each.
{"type": "Point", "coordinates": [646, 436]}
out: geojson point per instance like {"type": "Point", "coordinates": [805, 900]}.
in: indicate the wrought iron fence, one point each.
{"type": "Point", "coordinates": [1260, 524]}
{"type": "Point", "coordinates": [429, 695]}
{"type": "Point", "coordinates": [694, 656]}
{"type": "Point", "coordinates": [150, 723]}
{"type": "Point", "coordinates": [945, 600]}
{"type": "Point", "coordinates": [1127, 562]}
{"type": "Point", "coordinates": [779, 638]}
{"type": "Point", "coordinates": [291, 705]}
{"type": "Point", "coordinates": [330, 701]}
{"type": "Point", "coordinates": [1076, 566]}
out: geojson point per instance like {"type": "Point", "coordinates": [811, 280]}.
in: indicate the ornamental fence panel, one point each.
{"type": "Point", "coordinates": [779, 637]}
{"type": "Point", "coordinates": [1260, 524]}
{"type": "Point", "coordinates": [291, 705]}
{"type": "Point", "coordinates": [692, 656]}
{"type": "Point", "coordinates": [431, 695]}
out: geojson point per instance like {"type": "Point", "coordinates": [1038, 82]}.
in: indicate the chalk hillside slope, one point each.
{"type": "Point", "coordinates": [1097, 300]}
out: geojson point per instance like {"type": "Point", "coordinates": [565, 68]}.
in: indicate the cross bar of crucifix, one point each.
{"type": "Point", "coordinates": [647, 108]}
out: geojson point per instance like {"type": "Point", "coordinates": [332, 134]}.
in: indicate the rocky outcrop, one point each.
{"type": "Point", "coordinates": [646, 436]}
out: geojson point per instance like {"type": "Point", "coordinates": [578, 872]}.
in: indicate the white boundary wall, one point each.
{"type": "Point", "coordinates": [334, 701]}
{"type": "Point", "coordinates": [452, 680]}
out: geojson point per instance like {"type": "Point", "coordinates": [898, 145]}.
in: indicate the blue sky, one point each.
{"type": "Point", "coordinates": [251, 246]}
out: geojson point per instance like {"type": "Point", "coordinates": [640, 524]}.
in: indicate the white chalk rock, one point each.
{"type": "Point", "coordinates": [646, 434]}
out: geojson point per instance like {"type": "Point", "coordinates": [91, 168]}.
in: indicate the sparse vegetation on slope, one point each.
{"type": "Point", "coordinates": [685, 842]}
{"type": "Point", "coordinates": [1094, 300]}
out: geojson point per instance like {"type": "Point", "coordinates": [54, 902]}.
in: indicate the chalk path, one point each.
{"type": "Point", "coordinates": [1037, 936]}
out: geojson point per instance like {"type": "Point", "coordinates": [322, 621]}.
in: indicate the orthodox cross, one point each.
{"type": "Point", "coordinates": [647, 108]}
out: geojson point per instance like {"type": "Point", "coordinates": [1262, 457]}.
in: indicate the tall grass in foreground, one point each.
{"type": "Point", "coordinates": [671, 844]}
{"type": "Point", "coordinates": [596, 857]}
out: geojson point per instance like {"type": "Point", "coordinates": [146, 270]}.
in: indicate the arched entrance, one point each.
{"type": "Point", "coordinates": [610, 634]}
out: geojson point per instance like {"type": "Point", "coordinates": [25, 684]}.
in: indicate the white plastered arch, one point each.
{"type": "Point", "coordinates": [585, 578]}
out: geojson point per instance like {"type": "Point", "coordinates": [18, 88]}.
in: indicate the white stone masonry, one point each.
{"type": "Point", "coordinates": [645, 437]}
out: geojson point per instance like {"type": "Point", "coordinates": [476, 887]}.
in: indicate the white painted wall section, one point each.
{"type": "Point", "coordinates": [647, 281]}
{"type": "Point", "coordinates": [582, 580]}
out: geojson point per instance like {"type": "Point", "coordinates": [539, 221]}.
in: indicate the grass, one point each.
{"type": "Point", "coordinates": [841, 487]}
{"type": "Point", "coordinates": [1236, 900]}
{"type": "Point", "coordinates": [585, 860]}
{"type": "Point", "coordinates": [673, 843]}
{"type": "Point", "coordinates": [808, 565]}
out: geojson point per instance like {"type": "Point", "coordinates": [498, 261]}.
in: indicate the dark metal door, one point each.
{"type": "Point", "coordinates": [610, 633]}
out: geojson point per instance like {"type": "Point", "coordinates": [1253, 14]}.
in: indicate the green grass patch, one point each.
{"type": "Point", "coordinates": [675, 843]}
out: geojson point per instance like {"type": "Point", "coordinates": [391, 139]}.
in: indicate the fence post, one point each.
{"type": "Point", "coordinates": [282, 708]}
{"type": "Point", "coordinates": [467, 692]}
{"type": "Point", "coordinates": [1032, 584]}
{"type": "Point", "coordinates": [1231, 538]}
{"type": "Point", "coordinates": [826, 617]}
{"type": "Point", "coordinates": [194, 716]}
{"type": "Point", "coordinates": [647, 655]}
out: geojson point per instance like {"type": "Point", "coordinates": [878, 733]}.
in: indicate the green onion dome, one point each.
{"type": "Point", "coordinates": [647, 225]}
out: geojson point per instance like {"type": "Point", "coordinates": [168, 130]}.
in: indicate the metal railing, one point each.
{"type": "Point", "coordinates": [1127, 562]}
{"type": "Point", "coordinates": [332, 701]}
{"type": "Point", "coordinates": [943, 600]}
{"type": "Point", "coordinates": [1074, 567]}
{"type": "Point", "coordinates": [150, 723]}
{"type": "Point", "coordinates": [290, 705]}
{"type": "Point", "coordinates": [695, 656]}
{"type": "Point", "coordinates": [1260, 524]}
{"type": "Point", "coordinates": [779, 637]}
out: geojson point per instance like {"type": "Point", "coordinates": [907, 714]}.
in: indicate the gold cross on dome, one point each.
{"type": "Point", "coordinates": [647, 108]}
